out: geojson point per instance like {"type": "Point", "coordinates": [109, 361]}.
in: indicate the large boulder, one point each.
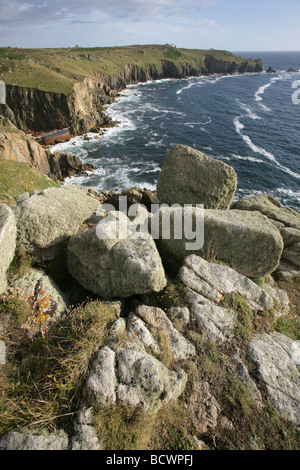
{"type": "Point", "coordinates": [118, 266]}
{"type": "Point", "coordinates": [64, 165]}
{"type": "Point", "coordinates": [277, 359]}
{"type": "Point", "coordinates": [249, 242]}
{"type": "Point", "coordinates": [191, 177]}
{"type": "Point", "coordinates": [288, 222]}
{"type": "Point", "coordinates": [46, 302]}
{"type": "Point", "coordinates": [213, 281]}
{"type": "Point", "coordinates": [8, 232]}
{"type": "Point", "coordinates": [47, 219]}
{"type": "Point", "coordinates": [142, 379]}
{"type": "Point", "coordinates": [270, 207]}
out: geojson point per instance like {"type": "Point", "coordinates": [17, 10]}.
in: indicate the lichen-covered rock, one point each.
{"type": "Point", "coordinates": [286, 271]}
{"type": "Point", "coordinates": [137, 328]}
{"type": "Point", "coordinates": [100, 385]}
{"type": "Point", "coordinates": [191, 177]}
{"type": "Point", "coordinates": [2, 352]}
{"type": "Point", "coordinates": [270, 207]}
{"type": "Point", "coordinates": [115, 267]}
{"type": "Point", "coordinates": [34, 441]}
{"type": "Point", "coordinates": [146, 381]}
{"type": "Point", "coordinates": [47, 219]}
{"type": "Point", "coordinates": [8, 233]}
{"type": "Point", "coordinates": [244, 376]}
{"type": "Point", "coordinates": [217, 322]}
{"type": "Point", "coordinates": [203, 408]}
{"type": "Point", "coordinates": [277, 359]}
{"type": "Point", "coordinates": [85, 435]}
{"type": "Point", "coordinates": [249, 242]}
{"type": "Point", "coordinates": [47, 303]}
{"type": "Point", "coordinates": [156, 319]}
{"type": "Point", "coordinates": [213, 281]}
{"type": "Point", "coordinates": [290, 236]}
{"type": "Point", "coordinates": [292, 254]}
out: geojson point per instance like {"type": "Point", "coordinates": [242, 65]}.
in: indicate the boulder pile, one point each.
{"type": "Point", "coordinates": [144, 359]}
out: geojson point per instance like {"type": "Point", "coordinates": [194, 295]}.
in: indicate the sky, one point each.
{"type": "Point", "coordinates": [233, 25]}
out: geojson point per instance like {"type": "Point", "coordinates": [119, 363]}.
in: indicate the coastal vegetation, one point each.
{"type": "Point", "coordinates": [56, 70]}
{"type": "Point", "coordinates": [128, 343]}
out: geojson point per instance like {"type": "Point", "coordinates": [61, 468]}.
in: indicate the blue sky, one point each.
{"type": "Point", "coordinates": [234, 25]}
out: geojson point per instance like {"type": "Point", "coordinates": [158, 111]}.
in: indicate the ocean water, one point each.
{"type": "Point", "coordinates": [248, 121]}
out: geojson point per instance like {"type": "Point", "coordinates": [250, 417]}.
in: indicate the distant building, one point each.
{"type": "Point", "coordinates": [172, 45]}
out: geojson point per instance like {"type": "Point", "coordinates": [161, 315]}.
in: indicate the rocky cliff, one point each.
{"type": "Point", "coordinates": [68, 99]}
{"type": "Point", "coordinates": [125, 354]}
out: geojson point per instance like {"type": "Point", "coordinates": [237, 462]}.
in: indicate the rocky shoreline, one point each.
{"type": "Point", "coordinates": [105, 74]}
{"type": "Point", "coordinates": [210, 334]}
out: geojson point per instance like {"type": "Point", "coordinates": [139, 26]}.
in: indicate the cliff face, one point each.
{"type": "Point", "coordinates": [17, 146]}
{"type": "Point", "coordinates": [36, 109]}
{"type": "Point", "coordinates": [214, 65]}
{"type": "Point", "coordinates": [83, 109]}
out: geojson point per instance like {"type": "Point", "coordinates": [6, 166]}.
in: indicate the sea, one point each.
{"type": "Point", "coordinates": [249, 121]}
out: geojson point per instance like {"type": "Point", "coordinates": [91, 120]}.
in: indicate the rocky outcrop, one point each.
{"type": "Point", "coordinates": [47, 303]}
{"type": "Point", "coordinates": [278, 362]}
{"type": "Point", "coordinates": [214, 280]}
{"type": "Point", "coordinates": [191, 177]}
{"type": "Point", "coordinates": [8, 232]}
{"type": "Point", "coordinates": [214, 65]}
{"type": "Point", "coordinates": [207, 284]}
{"type": "Point", "coordinates": [65, 165]}
{"type": "Point", "coordinates": [82, 109]}
{"type": "Point", "coordinates": [36, 109]}
{"type": "Point", "coordinates": [34, 441]}
{"type": "Point", "coordinates": [20, 147]}
{"type": "Point", "coordinates": [17, 146]}
{"type": "Point", "coordinates": [47, 219]}
{"type": "Point", "coordinates": [157, 320]}
{"type": "Point", "coordinates": [116, 266]}
{"type": "Point", "coordinates": [142, 379]}
{"type": "Point", "coordinates": [248, 242]}
{"type": "Point", "coordinates": [288, 223]}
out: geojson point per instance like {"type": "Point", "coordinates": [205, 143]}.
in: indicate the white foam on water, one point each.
{"type": "Point", "coordinates": [255, 148]}
{"type": "Point", "coordinates": [290, 193]}
{"type": "Point", "coordinates": [249, 111]}
{"type": "Point", "coordinates": [260, 92]}
{"type": "Point", "coordinates": [234, 156]}
{"type": "Point", "coordinates": [206, 80]}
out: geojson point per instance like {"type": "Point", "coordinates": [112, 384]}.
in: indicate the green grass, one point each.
{"type": "Point", "coordinates": [56, 70]}
{"type": "Point", "coordinates": [17, 178]}
{"type": "Point", "coordinates": [42, 387]}
{"type": "Point", "coordinates": [244, 326]}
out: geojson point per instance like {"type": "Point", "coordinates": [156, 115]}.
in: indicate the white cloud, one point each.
{"type": "Point", "coordinates": [20, 11]}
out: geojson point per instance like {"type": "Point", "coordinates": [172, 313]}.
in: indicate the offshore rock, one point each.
{"type": "Point", "coordinates": [8, 232]}
{"type": "Point", "coordinates": [191, 177]}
